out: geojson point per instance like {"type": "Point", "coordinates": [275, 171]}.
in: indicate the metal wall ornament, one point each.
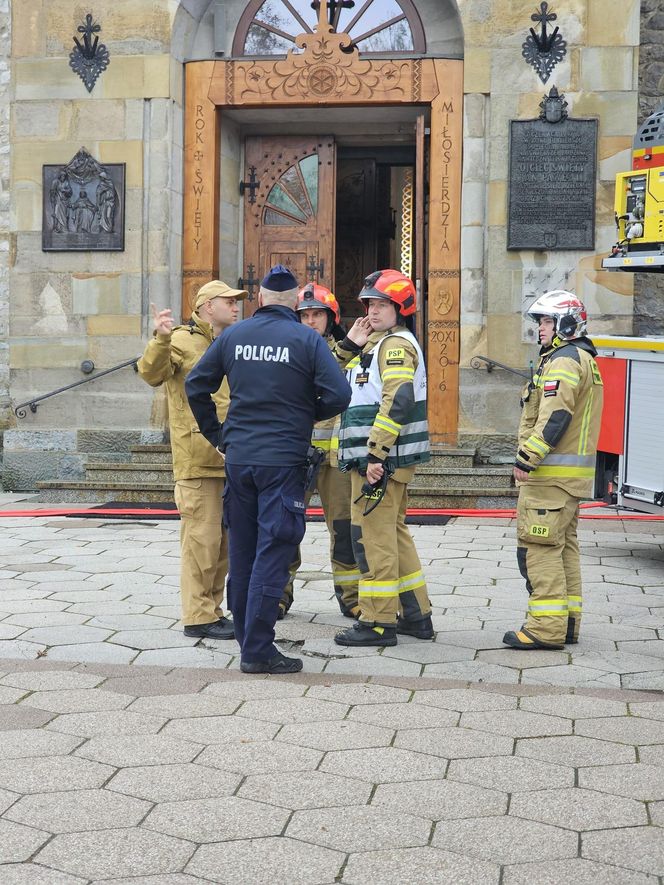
{"type": "Point", "coordinates": [89, 58]}
{"type": "Point", "coordinates": [83, 206]}
{"type": "Point", "coordinates": [543, 51]}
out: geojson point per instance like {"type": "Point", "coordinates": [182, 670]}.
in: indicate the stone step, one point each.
{"type": "Point", "coordinates": [465, 477]}
{"type": "Point", "coordinates": [462, 498]}
{"type": "Point", "coordinates": [102, 472]}
{"type": "Point", "coordinates": [156, 454]}
{"type": "Point", "coordinates": [64, 492]}
{"type": "Point", "coordinates": [444, 456]}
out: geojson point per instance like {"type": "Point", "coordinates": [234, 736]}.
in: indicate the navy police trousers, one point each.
{"type": "Point", "coordinates": [265, 513]}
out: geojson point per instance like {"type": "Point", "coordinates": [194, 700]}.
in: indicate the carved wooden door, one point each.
{"type": "Point", "coordinates": [292, 219]}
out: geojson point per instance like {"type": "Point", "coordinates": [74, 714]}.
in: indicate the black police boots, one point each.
{"type": "Point", "coordinates": [221, 629]}
{"type": "Point", "coordinates": [362, 634]}
{"type": "Point", "coordinates": [279, 664]}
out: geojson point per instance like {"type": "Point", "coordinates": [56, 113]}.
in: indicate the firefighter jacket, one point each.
{"type": "Point", "coordinates": [560, 421]}
{"type": "Point", "coordinates": [282, 378]}
{"type": "Point", "coordinates": [387, 416]}
{"type": "Point", "coordinates": [168, 359]}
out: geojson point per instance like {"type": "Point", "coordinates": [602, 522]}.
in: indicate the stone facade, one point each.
{"type": "Point", "coordinates": [649, 288]}
{"type": "Point", "coordinates": [5, 223]}
{"type": "Point", "coordinates": [66, 307]}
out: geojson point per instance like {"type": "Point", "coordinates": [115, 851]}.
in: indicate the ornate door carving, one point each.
{"type": "Point", "coordinates": [291, 221]}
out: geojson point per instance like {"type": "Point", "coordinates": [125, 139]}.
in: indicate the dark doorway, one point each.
{"type": "Point", "coordinates": [375, 219]}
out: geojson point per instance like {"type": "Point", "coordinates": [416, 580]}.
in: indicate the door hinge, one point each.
{"type": "Point", "coordinates": [251, 185]}
{"type": "Point", "coordinates": [249, 282]}
{"type": "Point", "coordinates": [315, 270]}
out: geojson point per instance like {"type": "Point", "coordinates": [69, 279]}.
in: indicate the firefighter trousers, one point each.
{"type": "Point", "coordinates": [548, 557]}
{"type": "Point", "coordinates": [334, 490]}
{"type": "Point", "coordinates": [391, 578]}
{"type": "Point", "coordinates": [203, 549]}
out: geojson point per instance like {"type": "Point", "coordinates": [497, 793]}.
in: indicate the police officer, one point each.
{"type": "Point", "coordinates": [198, 470]}
{"type": "Point", "coordinates": [282, 378]}
{"type": "Point", "coordinates": [318, 308]}
{"type": "Point", "coordinates": [384, 434]}
{"type": "Point", "coordinates": [555, 467]}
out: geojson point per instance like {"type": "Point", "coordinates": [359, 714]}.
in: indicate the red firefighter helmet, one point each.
{"type": "Point", "coordinates": [315, 297]}
{"type": "Point", "coordinates": [391, 285]}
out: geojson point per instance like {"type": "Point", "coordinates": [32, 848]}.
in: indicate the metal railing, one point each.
{"type": "Point", "coordinates": [21, 409]}
{"type": "Point", "coordinates": [484, 362]}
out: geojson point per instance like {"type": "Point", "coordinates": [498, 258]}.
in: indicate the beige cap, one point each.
{"type": "Point", "coordinates": [217, 289]}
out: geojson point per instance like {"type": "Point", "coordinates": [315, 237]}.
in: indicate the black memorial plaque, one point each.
{"type": "Point", "coordinates": [552, 184]}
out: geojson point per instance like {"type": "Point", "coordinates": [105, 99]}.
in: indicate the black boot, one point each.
{"type": "Point", "coordinates": [362, 634]}
{"type": "Point", "coordinates": [221, 629]}
{"type": "Point", "coordinates": [279, 664]}
{"type": "Point", "coordinates": [420, 629]}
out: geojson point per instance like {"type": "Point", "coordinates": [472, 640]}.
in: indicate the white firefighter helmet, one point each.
{"type": "Point", "coordinates": [567, 311]}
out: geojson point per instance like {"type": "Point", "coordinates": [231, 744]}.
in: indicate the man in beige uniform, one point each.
{"type": "Point", "coordinates": [198, 468]}
{"type": "Point", "coordinates": [555, 469]}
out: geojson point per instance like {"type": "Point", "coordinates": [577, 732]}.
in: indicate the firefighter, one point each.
{"type": "Point", "coordinates": [555, 469]}
{"type": "Point", "coordinates": [318, 308]}
{"type": "Point", "coordinates": [198, 469]}
{"type": "Point", "coordinates": [383, 435]}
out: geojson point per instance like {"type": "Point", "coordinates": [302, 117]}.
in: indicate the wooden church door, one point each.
{"type": "Point", "coordinates": [289, 212]}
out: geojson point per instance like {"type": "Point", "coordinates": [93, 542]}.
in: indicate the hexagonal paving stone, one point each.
{"type": "Point", "coordinates": [336, 735]}
{"type": "Point", "coordinates": [96, 652]}
{"type": "Point", "coordinates": [384, 765]}
{"type": "Point", "coordinates": [106, 723]}
{"type": "Point", "coordinates": [454, 743]}
{"type": "Point", "coordinates": [149, 639]}
{"type": "Point", "coordinates": [126, 750]}
{"type": "Point", "coordinates": [259, 757]}
{"type": "Point", "coordinates": [46, 774]}
{"type": "Point", "coordinates": [71, 812]}
{"type": "Point", "coordinates": [271, 861]}
{"type": "Point", "coordinates": [465, 700]}
{"type": "Point", "coordinates": [440, 800]}
{"type": "Point", "coordinates": [130, 622]}
{"type": "Point", "coordinates": [35, 742]}
{"type": "Point", "coordinates": [219, 729]}
{"type": "Point", "coordinates": [513, 774]}
{"type": "Point", "coordinates": [217, 819]}
{"type": "Point", "coordinates": [516, 723]}
{"type": "Point", "coordinates": [651, 710]}
{"type": "Point", "coordinates": [51, 680]}
{"type": "Point", "coordinates": [31, 874]}
{"type": "Point", "coordinates": [575, 751]}
{"type": "Point", "coordinates": [359, 829]}
{"type": "Point", "coordinates": [624, 730]}
{"type": "Point", "coordinates": [184, 706]}
{"type": "Point", "coordinates": [170, 783]}
{"type": "Point", "coordinates": [505, 840]}
{"type": "Point", "coordinates": [638, 848]}
{"type": "Point", "coordinates": [576, 870]}
{"type": "Point", "coordinates": [309, 789]}
{"type": "Point", "coordinates": [20, 718]}
{"type": "Point", "coordinates": [293, 710]}
{"type": "Point", "coordinates": [18, 843]}
{"type": "Point", "coordinates": [404, 715]}
{"type": "Point", "coordinates": [9, 696]}
{"type": "Point", "coordinates": [124, 852]}
{"type": "Point", "coordinates": [640, 781]}
{"type": "Point", "coordinates": [360, 693]}
{"type": "Point", "coordinates": [578, 809]}
{"type": "Point", "coordinates": [84, 700]}
{"type": "Point", "coordinates": [426, 866]}
{"type": "Point", "coordinates": [68, 635]}
{"type": "Point", "coordinates": [574, 706]}
{"type": "Point", "coordinates": [429, 653]}
{"type": "Point", "coordinates": [249, 689]}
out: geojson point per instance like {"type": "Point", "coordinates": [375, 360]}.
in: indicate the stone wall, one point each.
{"type": "Point", "coordinates": [649, 288]}
{"type": "Point", "coordinates": [5, 226]}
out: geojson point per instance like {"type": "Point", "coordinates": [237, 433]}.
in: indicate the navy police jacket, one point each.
{"type": "Point", "coordinates": [282, 377]}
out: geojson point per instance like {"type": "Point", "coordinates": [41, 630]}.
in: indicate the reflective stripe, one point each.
{"type": "Point", "coordinates": [399, 373]}
{"type": "Point", "coordinates": [377, 588]}
{"type": "Point", "coordinates": [322, 433]}
{"type": "Point", "coordinates": [561, 375]}
{"type": "Point", "coordinates": [350, 577]}
{"type": "Point", "coordinates": [564, 471]}
{"type": "Point", "coordinates": [537, 445]}
{"type": "Point", "coordinates": [541, 608]}
{"type": "Point", "coordinates": [411, 582]}
{"type": "Point", "coordinates": [572, 460]}
{"type": "Point", "coordinates": [575, 604]}
{"type": "Point", "coordinates": [585, 424]}
{"type": "Point", "coordinates": [386, 423]}
{"type": "Point", "coordinates": [324, 444]}
{"type": "Point", "coordinates": [351, 364]}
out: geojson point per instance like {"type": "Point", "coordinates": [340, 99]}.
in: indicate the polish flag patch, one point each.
{"type": "Point", "coordinates": [551, 388]}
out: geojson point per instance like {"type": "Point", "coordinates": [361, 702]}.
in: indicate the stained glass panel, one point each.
{"type": "Point", "coordinates": [293, 183]}
{"type": "Point", "coordinates": [279, 199]}
{"type": "Point", "coordinates": [272, 217]}
{"type": "Point", "coordinates": [309, 170]}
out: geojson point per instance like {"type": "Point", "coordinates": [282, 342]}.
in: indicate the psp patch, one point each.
{"type": "Point", "coordinates": [551, 388]}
